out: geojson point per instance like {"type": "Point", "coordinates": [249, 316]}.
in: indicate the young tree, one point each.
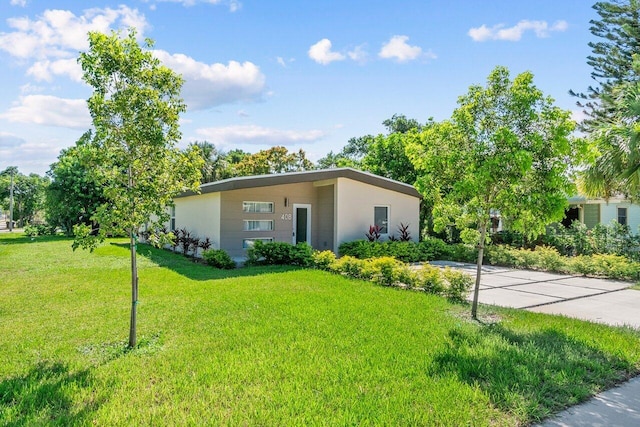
{"type": "Point", "coordinates": [506, 148]}
{"type": "Point", "coordinates": [135, 108]}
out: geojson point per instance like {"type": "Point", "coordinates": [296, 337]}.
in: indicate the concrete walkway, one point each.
{"type": "Point", "coordinates": [597, 300]}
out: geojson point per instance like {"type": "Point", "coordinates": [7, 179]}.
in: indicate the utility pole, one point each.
{"type": "Point", "coordinates": [11, 204]}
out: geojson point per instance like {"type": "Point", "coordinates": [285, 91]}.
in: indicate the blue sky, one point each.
{"type": "Point", "coordinates": [303, 74]}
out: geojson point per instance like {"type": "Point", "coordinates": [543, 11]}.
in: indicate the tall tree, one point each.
{"type": "Point", "coordinates": [135, 108]}
{"type": "Point", "coordinates": [607, 104]}
{"type": "Point", "coordinates": [28, 194]}
{"type": "Point", "coordinates": [74, 195]}
{"type": "Point", "coordinates": [505, 148]}
{"type": "Point", "coordinates": [616, 169]}
{"type": "Point", "coordinates": [618, 39]}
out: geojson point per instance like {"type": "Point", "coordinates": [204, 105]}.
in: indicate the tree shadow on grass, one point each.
{"type": "Point", "coordinates": [531, 375]}
{"type": "Point", "coordinates": [45, 396]}
{"type": "Point", "coordinates": [193, 270]}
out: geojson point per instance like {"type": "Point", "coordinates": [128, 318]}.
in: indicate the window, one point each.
{"type": "Point", "coordinates": [247, 243]}
{"type": "Point", "coordinates": [172, 222]}
{"type": "Point", "coordinates": [257, 207]}
{"type": "Point", "coordinates": [381, 218]}
{"type": "Point", "coordinates": [258, 225]}
{"type": "Point", "coordinates": [622, 216]}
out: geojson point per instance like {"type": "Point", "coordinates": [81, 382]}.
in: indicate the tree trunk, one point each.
{"type": "Point", "coordinates": [474, 306]}
{"type": "Point", "coordinates": [134, 291]}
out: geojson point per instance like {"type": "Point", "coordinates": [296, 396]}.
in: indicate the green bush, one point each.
{"type": "Point", "coordinates": [500, 255]}
{"type": "Point", "coordinates": [430, 279]}
{"type": "Point", "coordinates": [33, 230]}
{"type": "Point", "coordinates": [386, 271]}
{"type": "Point", "coordinates": [458, 284]}
{"type": "Point", "coordinates": [427, 250]}
{"type": "Point", "coordinates": [548, 259]}
{"type": "Point", "coordinates": [280, 253]}
{"type": "Point", "coordinates": [615, 266]}
{"type": "Point", "coordinates": [432, 249]}
{"type": "Point", "coordinates": [218, 258]}
{"type": "Point", "coordinates": [324, 260]}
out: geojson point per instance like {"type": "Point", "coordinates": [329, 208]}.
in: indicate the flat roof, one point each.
{"type": "Point", "coordinates": [305, 176]}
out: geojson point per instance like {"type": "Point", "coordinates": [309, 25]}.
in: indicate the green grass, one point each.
{"type": "Point", "coordinates": [273, 346]}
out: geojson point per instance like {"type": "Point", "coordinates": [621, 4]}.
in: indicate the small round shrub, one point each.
{"type": "Point", "coordinates": [324, 260]}
{"type": "Point", "coordinates": [218, 258]}
{"type": "Point", "coordinates": [458, 284]}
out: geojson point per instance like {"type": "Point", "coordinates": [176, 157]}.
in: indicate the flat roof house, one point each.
{"type": "Point", "coordinates": [322, 207]}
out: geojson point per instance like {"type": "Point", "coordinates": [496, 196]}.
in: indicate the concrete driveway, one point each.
{"type": "Point", "coordinates": [597, 300]}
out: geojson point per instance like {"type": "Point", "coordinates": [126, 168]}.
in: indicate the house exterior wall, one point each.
{"type": "Point", "coordinates": [610, 213]}
{"type": "Point", "coordinates": [324, 217]}
{"type": "Point", "coordinates": [200, 214]}
{"type": "Point", "coordinates": [232, 216]}
{"type": "Point", "coordinates": [355, 202]}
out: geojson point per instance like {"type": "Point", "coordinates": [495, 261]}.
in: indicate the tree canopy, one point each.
{"type": "Point", "coordinates": [507, 149]}
{"type": "Point", "coordinates": [28, 194]}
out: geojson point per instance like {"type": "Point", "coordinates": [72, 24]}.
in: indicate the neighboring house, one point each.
{"type": "Point", "coordinates": [599, 211]}
{"type": "Point", "coordinates": [323, 208]}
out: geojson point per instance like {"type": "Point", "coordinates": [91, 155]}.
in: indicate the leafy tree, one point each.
{"type": "Point", "coordinates": [399, 123]}
{"type": "Point", "coordinates": [28, 194]}
{"type": "Point", "coordinates": [135, 108]}
{"type": "Point", "coordinates": [386, 156]}
{"type": "Point", "coordinates": [616, 170]}
{"type": "Point", "coordinates": [74, 195]}
{"type": "Point", "coordinates": [505, 148]}
{"type": "Point", "coordinates": [274, 160]}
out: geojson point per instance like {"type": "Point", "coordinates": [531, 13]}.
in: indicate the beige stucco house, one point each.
{"type": "Point", "coordinates": [321, 207]}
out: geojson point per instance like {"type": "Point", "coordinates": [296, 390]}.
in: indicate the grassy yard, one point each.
{"type": "Point", "coordinates": [273, 346]}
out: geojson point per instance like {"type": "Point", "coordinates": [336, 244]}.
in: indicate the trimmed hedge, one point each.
{"type": "Point", "coordinates": [280, 253]}
{"type": "Point", "coordinates": [218, 258]}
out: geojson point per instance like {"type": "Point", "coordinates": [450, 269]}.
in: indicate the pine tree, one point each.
{"type": "Point", "coordinates": [618, 33]}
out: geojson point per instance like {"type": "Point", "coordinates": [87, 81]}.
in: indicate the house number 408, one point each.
{"type": "Point", "coordinates": [286, 217]}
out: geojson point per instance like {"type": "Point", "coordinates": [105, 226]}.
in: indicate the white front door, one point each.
{"type": "Point", "coordinates": [301, 223]}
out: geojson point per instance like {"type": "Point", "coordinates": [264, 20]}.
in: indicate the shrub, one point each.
{"type": "Point", "coordinates": [431, 249]}
{"type": "Point", "coordinates": [352, 267]}
{"type": "Point", "coordinates": [615, 266]}
{"type": "Point", "coordinates": [280, 253]}
{"type": "Point", "coordinates": [33, 230]}
{"type": "Point", "coordinates": [500, 255]}
{"type": "Point", "coordinates": [324, 260]}
{"type": "Point", "coordinates": [430, 279]}
{"type": "Point", "coordinates": [218, 258]}
{"type": "Point", "coordinates": [549, 259]}
{"type": "Point", "coordinates": [385, 270]}
{"type": "Point", "coordinates": [458, 284]}
{"type": "Point", "coordinates": [374, 233]}
{"type": "Point", "coordinates": [582, 264]}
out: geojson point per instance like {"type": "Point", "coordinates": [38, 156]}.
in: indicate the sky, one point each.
{"type": "Point", "coordinates": [302, 74]}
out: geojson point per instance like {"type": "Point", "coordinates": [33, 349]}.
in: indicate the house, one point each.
{"type": "Point", "coordinates": [599, 211]}
{"type": "Point", "coordinates": [322, 207]}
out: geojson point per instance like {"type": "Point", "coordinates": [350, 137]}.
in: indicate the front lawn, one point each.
{"type": "Point", "coordinates": [274, 346]}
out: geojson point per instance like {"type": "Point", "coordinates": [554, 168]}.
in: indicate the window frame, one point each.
{"type": "Point", "coordinates": [245, 241]}
{"type": "Point", "coordinates": [172, 218]}
{"type": "Point", "coordinates": [625, 216]}
{"type": "Point", "coordinates": [388, 211]}
{"type": "Point", "coordinates": [246, 222]}
{"type": "Point", "coordinates": [254, 203]}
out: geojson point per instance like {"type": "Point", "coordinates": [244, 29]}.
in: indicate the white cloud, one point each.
{"type": "Point", "coordinates": [234, 5]}
{"type": "Point", "coordinates": [258, 135]}
{"type": "Point", "coordinates": [21, 3]}
{"type": "Point", "coordinates": [398, 49]}
{"type": "Point", "coordinates": [499, 32]}
{"type": "Point", "coordinates": [45, 70]}
{"type": "Point", "coordinates": [49, 111]}
{"type": "Point", "coordinates": [29, 156]}
{"type": "Point", "coordinates": [322, 54]}
{"type": "Point", "coordinates": [61, 34]}
{"type": "Point", "coordinates": [208, 85]}
{"type": "Point", "coordinates": [358, 54]}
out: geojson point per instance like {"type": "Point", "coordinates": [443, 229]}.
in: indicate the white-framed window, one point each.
{"type": "Point", "coordinates": [257, 207]}
{"type": "Point", "coordinates": [247, 243]}
{"type": "Point", "coordinates": [258, 225]}
{"type": "Point", "coordinates": [622, 216]}
{"type": "Point", "coordinates": [172, 221]}
{"type": "Point", "coordinates": [381, 218]}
